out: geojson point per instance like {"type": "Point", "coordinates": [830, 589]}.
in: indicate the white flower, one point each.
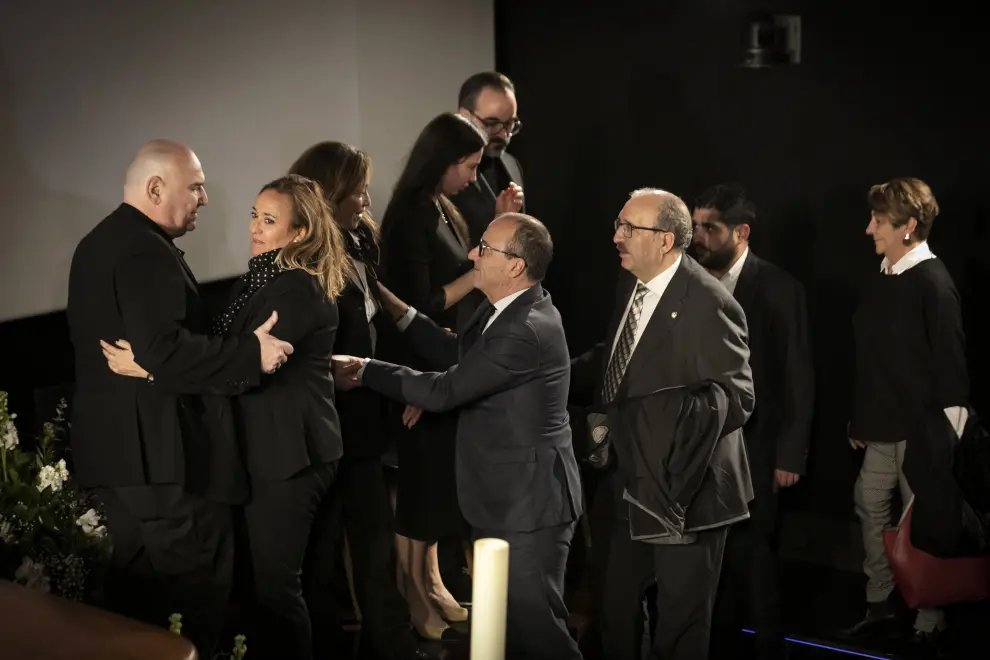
{"type": "Point", "coordinates": [90, 523]}
{"type": "Point", "coordinates": [6, 535]}
{"type": "Point", "coordinates": [32, 575]}
{"type": "Point", "coordinates": [53, 476]}
{"type": "Point", "coordinates": [8, 439]}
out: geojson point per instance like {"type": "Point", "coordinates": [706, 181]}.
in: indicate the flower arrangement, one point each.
{"type": "Point", "coordinates": [52, 535]}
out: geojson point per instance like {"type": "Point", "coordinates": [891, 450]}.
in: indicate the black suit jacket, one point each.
{"type": "Point", "coordinates": [128, 281]}
{"type": "Point", "coordinates": [477, 202]}
{"type": "Point", "coordinates": [289, 421]}
{"type": "Point", "coordinates": [365, 416]}
{"type": "Point", "coordinates": [516, 469]}
{"type": "Point", "coordinates": [420, 255]}
{"type": "Point", "coordinates": [696, 334]}
{"type": "Point", "coordinates": [779, 431]}
{"type": "Point", "coordinates": [671, 467]}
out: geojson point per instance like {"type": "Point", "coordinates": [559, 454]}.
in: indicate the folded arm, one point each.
{"type": "Point", "coordinates": [944, 327]}
{"type": "Point", "coordinates": [723, 357]}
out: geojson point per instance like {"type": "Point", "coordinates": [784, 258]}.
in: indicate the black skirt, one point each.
{"type": "Point", "coordinates": [426, 507]}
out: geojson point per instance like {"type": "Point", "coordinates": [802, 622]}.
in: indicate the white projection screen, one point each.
{"type": "Point", "coordinates": [248, 85]}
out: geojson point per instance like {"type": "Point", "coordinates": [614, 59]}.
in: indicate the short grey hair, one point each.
{"type": "Point", "coordinates": [672, 215]}
{"type": "Point", "coordinates": [532, 243]}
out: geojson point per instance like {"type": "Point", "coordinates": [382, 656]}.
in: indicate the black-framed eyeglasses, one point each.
{"type": "Point", "coordinates": [627, 228]}
{"type": "Point", "coordinates": [484, 247]}
{"type": "Point", "coordinates": [494, 125]}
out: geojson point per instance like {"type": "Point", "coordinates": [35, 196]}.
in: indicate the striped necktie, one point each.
{"type": "Point", "coordinates": [623, 348]}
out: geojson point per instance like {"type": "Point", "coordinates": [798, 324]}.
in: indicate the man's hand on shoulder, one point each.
{"type": "Point", "coordinates": [274, 351]}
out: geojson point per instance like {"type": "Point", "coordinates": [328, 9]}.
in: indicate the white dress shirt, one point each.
{"type": "Point", "coordinates": [655, 287]}
{"type": "Point", "coordinates": [921, 252]}
{"type": "Point", "coordinates": [731, 278]}
{"type": "Point", "coordinates": [500, 306]}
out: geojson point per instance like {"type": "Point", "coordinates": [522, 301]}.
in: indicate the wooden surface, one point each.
{"type": "Point", "coordinates": [37, 626]}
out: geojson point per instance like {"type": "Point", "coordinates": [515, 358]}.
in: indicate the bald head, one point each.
{"type": "Point", "coordinates": [165, 182]}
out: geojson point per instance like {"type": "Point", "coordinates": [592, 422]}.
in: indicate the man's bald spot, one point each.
{"type": "Point", "coordinates": [156, 158]}
{"type": "Point", "coordinates": [665, 201]}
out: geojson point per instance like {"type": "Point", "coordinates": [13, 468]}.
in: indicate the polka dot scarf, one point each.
{"type": "Point", "coordinates": [261, 270]}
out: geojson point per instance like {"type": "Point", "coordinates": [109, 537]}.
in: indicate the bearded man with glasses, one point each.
{"type": "Point", "coordinates": [489, 100]}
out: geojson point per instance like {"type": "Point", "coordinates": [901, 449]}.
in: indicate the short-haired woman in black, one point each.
{"type": "Point", "coordinates": [910, 367]}
{"type": "Point", "coordinates": [425, 263]}
{"type": "Point", "coordinates": [287, 427]}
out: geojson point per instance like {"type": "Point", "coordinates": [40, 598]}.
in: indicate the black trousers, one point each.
{"type": "Point", "coordinates": [686, 579]}
{"type": "Point", "coordinates": [363, 508]}
{"type": "Point", "coordinates": [536, 618]}
{"type": "Point", "coordinates": [280, 519]}
{"type": "Point", "coordinates": [747, 593]}
{"type": "Point", "coordinates": [172, 553]}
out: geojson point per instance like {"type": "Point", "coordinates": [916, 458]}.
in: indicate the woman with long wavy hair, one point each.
{"type": "Point", "coordinates": [287, 427]}
{"type": "Point", "coordinates": [363, 507]}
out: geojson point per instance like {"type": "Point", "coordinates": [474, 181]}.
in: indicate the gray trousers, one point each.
{"type": "Point", "coordinates": [880, 475]}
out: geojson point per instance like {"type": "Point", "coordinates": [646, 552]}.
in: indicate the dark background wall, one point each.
{"type": "Point", "coordinates": [621, 95]}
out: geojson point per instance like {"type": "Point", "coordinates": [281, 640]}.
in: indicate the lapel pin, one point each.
{"type": "Point", "coordinates": [673, 315]}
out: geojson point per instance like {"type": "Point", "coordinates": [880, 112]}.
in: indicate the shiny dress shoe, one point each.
{"type": "Point", "coordinates": [877, 614]}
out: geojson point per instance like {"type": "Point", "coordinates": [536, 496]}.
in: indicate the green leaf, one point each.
{"type": "Point", "coordinates": [47, 519]}
{"type": "Point", "coordinates": [48, 543]}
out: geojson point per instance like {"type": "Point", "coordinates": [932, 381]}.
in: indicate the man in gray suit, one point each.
{"type": "Point", "coordinates": [674, 387]}
{"type": "Point", "coordinates": [509, 374]}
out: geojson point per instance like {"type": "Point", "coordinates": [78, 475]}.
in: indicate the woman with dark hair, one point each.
{"type": "Point", "coordinates": [287, 427]}
{"type": "Point", "coordinates": [361, 493]}
{"type": "Point", "coordinates": [911, 375]}
{"type": "Point", "coordinates": [425, 263]}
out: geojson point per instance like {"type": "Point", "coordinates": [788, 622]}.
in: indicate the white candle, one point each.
{"type": "Point", "coordinates": [489, 593]}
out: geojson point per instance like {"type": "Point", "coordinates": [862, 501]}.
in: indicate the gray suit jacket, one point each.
{"type": "Point", "coordinates": [697, 333]}
{"type": "Point", "coordinates": [516, 469]}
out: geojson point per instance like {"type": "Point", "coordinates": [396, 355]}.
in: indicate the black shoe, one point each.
{"type": "Point", "coordinates": [877, 615]}
{"type": "Point", "coordinates": [926, 644]}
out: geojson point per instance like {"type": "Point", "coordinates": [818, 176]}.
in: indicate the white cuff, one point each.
{"type": "Point", "coordinates": [406, 319]}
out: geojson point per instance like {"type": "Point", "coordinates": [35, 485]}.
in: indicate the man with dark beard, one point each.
{"type": "Point", "coordinates": [488, 99]}
{"type": "Point", "coordinates": [778, 433]}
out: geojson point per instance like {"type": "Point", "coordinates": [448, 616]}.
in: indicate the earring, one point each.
{"type": "Point", "coordinates": [907, 237]}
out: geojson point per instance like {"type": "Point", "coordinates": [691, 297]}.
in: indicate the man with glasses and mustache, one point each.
{"type": "Point", "coordinates": [778, 434]}
{"type": "Point", "coordinates": [673, 481]}
{"type": "Point", "coordinates": [489, 100]}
